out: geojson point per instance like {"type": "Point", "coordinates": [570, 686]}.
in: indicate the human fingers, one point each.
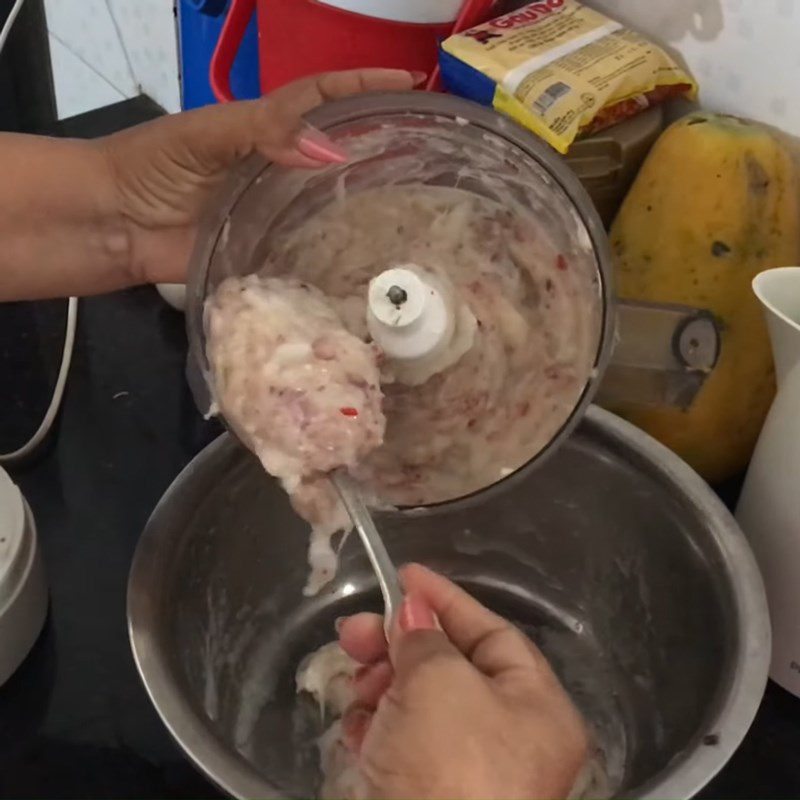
{"type": "Point", "coordinates": [418, 641]}
{"type": "Point", "coordinates": [489, 641]}
{"type": "Point", "coordinates": [355, 724]}
{"type": "Point", "coordinates": [284, 137]}
{"type": "Point", "coordinates": [205, 141]}
{"type": "Point", "coordinates": [362, 638]}
{"type": "Point", "coordinates": [299, 97]}
{"type": "Point", "coordinates": [371, 682]}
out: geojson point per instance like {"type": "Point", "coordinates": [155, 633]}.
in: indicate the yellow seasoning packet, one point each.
{"type": "Point", "coordinates": [560, 69]}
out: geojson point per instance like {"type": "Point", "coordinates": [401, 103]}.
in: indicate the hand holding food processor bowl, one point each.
{"type": "Point", "coordinates": [462, 247]}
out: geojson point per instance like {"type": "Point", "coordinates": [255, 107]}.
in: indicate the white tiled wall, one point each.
{"type": "Point", "coordinates": [106, 50]}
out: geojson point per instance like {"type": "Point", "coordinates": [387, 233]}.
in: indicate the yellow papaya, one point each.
{"type": "Point", "coordinates": [715, 203]}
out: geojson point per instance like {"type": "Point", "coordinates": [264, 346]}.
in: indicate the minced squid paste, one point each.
{"type": "Point", "coordinates": [327, 676]}
{"type": "Point", "coordinates": [300, 390]}
{"type": "Point", "coordinates": [300, 327]}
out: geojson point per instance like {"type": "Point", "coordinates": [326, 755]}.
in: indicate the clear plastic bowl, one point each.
{"type": "Point", "coordinates": [394, 139]}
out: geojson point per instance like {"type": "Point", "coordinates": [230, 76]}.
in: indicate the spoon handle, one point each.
{"type": "Point", "coordinates": [376, 551]}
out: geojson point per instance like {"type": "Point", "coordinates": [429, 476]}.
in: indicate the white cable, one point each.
{"type": "Point", "coordinates": [69, 335]}
{"type": "Point", "coordinates": [9, 23]}
{"type": "Point", "coordinates": [58, 392]}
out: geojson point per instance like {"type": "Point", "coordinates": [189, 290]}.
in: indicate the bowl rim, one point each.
{"type": "Point", "coordinates": [681, 778]}
{"type": "Point", "coordinates": [689, 772]}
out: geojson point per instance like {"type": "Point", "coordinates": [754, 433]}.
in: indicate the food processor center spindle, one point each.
{"type": "Point", "coordinates": [418, 321]}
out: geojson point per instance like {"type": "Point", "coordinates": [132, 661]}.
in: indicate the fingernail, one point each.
{"type": "Point", "coordinates": [338, 622]}
{"type": "Point", "coordinates": [418, 77]}
{"type": "Point", "coordinates": [354, 719]}
{"type": "Point", "coordinates": [315, 144]}
{"type": "Point", "coordinates": [416, 615]}
{"type": "Point", "coordinates": [355, 723]}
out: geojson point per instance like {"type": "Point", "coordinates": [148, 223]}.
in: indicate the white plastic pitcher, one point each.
{"type": "Point", "coordinates": [769, 508]}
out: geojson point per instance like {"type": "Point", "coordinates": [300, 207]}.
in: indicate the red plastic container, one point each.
{"type": "Point", "coordinates": [303, 37]}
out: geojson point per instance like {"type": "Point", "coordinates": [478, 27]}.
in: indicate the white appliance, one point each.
{"type": "Point", "coordinates": [769, 508]}
{"type": "Point", "coordinates": [23, 589]}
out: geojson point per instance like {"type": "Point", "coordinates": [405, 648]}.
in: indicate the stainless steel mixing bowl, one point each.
{"type": "Point", "coordinates": [614, 556]}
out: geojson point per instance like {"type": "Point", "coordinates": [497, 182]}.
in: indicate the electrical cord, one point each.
{"type": "Point", "coordinates": [69, 336]}
{"type": "Point", "coordinates": [58, 392]}
{"type": "Point", "coordinates": [9, 23]}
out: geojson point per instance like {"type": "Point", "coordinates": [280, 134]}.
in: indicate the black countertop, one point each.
{"type": "Point", "coordinates": [75, 720]}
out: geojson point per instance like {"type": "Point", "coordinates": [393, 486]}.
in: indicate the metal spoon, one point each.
{"type": "Point", "coordinates": [376, 551]}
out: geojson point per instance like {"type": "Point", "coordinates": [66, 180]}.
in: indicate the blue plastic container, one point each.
{"type": "Point", "coordinates": [199, 25]}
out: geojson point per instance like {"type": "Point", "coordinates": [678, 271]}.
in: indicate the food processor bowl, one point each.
{"type": "Point", "coordinates": [408, 139]}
